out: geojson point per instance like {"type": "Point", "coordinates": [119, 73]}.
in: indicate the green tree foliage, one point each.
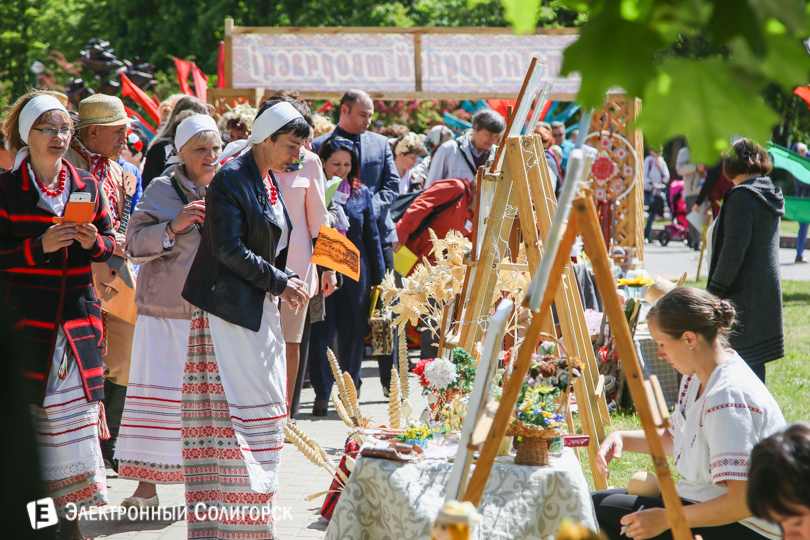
{"type": "Point", "coordinates": [700, 66]}
{"type": "Point", "coordinates": [31, 29]}
{"type": "Point", "coordinates": [158, 30]}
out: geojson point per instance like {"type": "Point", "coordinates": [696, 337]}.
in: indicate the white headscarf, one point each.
{"type": "Point", "coordinates": [32, 110]}
{"type": "Point", "coordinates": [268, 122]}
{"type": "Point", "coordinates": [188, 128]}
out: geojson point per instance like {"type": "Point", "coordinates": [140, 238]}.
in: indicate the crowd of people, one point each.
{"type": "Point", "coordinates": [213, 225]}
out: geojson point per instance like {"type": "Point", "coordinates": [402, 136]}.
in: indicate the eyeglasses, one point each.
{"type": "Point", "coordinates": [52, 132]}
{"type": "Point", "coordinates": [341, 144]}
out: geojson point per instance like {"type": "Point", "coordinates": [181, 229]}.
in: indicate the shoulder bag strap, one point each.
{"type": "Point", "coordinates": [182, 196]}
{"type": "Point", "coordinates": [466, 159]}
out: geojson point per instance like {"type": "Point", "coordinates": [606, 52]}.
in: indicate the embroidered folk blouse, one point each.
{"type": "Point", "coordinates": [715, 433]}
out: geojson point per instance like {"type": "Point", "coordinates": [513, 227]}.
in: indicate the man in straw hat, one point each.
{"type": "Point", "coordinates": [101, 135]}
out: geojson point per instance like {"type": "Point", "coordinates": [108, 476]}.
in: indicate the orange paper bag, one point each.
{"type": "Point", "coordinates": [336, 252]}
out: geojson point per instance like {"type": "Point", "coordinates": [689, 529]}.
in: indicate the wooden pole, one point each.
{"type": "Point", "coordinates": [228, 53]}
{"type": "Point", "coordinates": [496, 163]}
{"type": "Point", "coordinates": [586, 217]}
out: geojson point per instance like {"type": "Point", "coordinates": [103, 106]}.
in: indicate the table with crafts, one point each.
{"type": "Point", "coordinates": [393, 500]}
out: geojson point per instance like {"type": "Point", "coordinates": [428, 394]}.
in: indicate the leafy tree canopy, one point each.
{"type": "Point", "coordinates": [700, 66]}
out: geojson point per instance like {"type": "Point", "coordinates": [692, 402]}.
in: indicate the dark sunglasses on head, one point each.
{"type": "Point", "coordinates": [341, 144]}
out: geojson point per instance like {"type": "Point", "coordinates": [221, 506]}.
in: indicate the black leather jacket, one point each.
{"type": "Point", "coordinates": [234, 267]}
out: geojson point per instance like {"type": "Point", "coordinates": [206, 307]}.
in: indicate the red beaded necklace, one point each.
{"type": "Point", "coordinates": [44, 188]}
{"type": "Point", "coordinates": [272, 192]}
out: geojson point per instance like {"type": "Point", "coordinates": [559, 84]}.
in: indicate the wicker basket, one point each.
{"type": "Point", "coordinates": [533, 447]}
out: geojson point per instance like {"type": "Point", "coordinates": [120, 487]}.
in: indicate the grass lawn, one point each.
{"type": "Point", "coordinates": [789, 227]}
{"type": "Point", "coordinates": [788, 380]}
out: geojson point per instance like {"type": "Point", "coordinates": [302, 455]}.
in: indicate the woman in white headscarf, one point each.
{"type": "Point", "coordinates": [48, 294]}
{"type": "Point", "coordinates": [235, 385]}
{"type": "Point", "coordinates": [162, 237]}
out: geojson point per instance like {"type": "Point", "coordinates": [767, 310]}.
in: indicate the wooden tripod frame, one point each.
{"type": "Point", "coordinates": [583, 220]}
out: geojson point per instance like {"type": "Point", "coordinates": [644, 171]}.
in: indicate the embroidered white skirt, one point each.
{"type": "Point", "coordinates": [67, 431]}
{"type": "Point", "coordinates": [233, 415]}
{"type": "Point", "coordinates": [149, 447]}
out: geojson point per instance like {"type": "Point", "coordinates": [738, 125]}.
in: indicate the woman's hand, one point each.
{"type": "Point", "coordinates": [646, 523]}
{"type": "Point", "coordinates": [295, 294]}
{"type": "Point", "coordinates": [193, 212]}
{"type": "Point", "coordinates": [86, 235]}
{"type": "Point", "coordinates": [59, 236]}
{"type": "Point", "coordinates": [328, 282]}
{"type": "Point", "coordinates": [611, 449]}
{"type": "Point", "coordinates": [695, 208]}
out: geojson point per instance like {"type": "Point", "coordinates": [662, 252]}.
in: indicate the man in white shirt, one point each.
{"type": "Point", "coordinates": [460, 158]}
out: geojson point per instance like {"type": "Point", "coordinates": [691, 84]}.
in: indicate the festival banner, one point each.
{"type": "Point", "coordinates": [324, 62]}
{"type": "Point", "coordinates": [474, 61]}
{"type": "Point", "coordinates": [492, 63]}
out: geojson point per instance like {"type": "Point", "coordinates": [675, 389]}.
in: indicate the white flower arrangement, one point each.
{"type": "Point", "coordinates": [440, 374]}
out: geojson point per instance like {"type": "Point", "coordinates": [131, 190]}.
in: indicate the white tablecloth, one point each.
{"type": "Point", "coordinates": [389, 500]}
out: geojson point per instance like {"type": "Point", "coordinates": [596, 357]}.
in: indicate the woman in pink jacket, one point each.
{"type": "Point", "coordinates": [302, 186]}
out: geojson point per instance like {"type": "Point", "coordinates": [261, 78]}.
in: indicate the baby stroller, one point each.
{"type": "Point", "coordinates": [677, 207]}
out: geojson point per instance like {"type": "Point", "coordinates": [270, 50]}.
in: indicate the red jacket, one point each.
{"type": "Point", "coordinates": [42, 290]}
{"type": "Point", "coordinates": [458, 217]}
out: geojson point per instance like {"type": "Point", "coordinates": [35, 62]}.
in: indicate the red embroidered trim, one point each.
{"type": "Point", "coordinates": [734, 405]}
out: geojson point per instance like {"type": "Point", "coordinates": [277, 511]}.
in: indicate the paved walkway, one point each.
{"type": "Point", "coordinates": [672, 260]}
{"type": "Point", "coordinates": [298, 518]}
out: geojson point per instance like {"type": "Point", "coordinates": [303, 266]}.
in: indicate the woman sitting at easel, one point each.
{"type": "Point", "coordinates": [723, 411]}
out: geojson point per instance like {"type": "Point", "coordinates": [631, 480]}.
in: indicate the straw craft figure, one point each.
{"type": "Point", "coordinates": [394, 406]}
{"type": "Point", "coordinates": [403, 362]}
{"type": "Point", "coordinates": [314, 453]}
{"type": "Point", "coordinates": [350, 397]}
{"type": "Point", "coordinates": [341, 410]}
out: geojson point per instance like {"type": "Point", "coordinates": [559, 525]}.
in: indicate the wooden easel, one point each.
{"type": "Point", "coordinates": [589, 389]}
{"type": "Point", "coordinates": [545, 288]}
{"type": "Point", "coordinates": [524, 184]}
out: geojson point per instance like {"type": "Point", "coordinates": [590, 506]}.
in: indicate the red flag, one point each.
{"type": "Point", "coordinates": [139, 117]}
{"type": "Point", "coordinates": [200, 82]}
{"type": "Point", "coordinates": [803, 92]}
{"type": "Point", "coordinates": [221, 66]}
{"type": "Point", "coordinates": [183, 69]}
{"type": "Point", "coordinates": [128, 89]}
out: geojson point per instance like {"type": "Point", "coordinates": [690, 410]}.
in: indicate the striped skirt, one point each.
{"type": "Point", "coordinates": [233, 417]}
{"type": "Point", "coordinates": [67, 432]}
{"type": "Point", "coordinates": [149, 447]}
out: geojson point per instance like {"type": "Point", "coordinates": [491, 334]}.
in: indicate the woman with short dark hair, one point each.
{"type": "Point", "coordinates": [779, 481]}
{"type": "Point", "coordinates": [347, 309]}
{"type": "Point", "coordinates": [235, 384]}
{"type": "Point", "coordinates": [744, 266]}
{"type": "Point", "coordinates": [723, 410]}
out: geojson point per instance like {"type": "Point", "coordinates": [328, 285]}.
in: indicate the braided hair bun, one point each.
{"type": "Point", "coordinates": [724, 314]}
{"type": "Point", "coordinates": [687, 309]}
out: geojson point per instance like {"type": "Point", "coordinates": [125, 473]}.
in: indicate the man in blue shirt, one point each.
{"type": "Point", "coordinates": [558, 134]}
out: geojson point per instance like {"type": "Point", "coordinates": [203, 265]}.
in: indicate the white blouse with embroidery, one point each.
{"type": "Point", "coordinates": [714, 434]}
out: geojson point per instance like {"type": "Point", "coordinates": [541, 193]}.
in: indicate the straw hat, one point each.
{"type": "Point", "coordinates": [102, 110]}
{"type": "Point", "coordinates": [661, 287]}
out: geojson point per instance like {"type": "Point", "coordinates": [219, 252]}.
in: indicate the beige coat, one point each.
{"type": "Point", "coordinates": [163, 270]}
